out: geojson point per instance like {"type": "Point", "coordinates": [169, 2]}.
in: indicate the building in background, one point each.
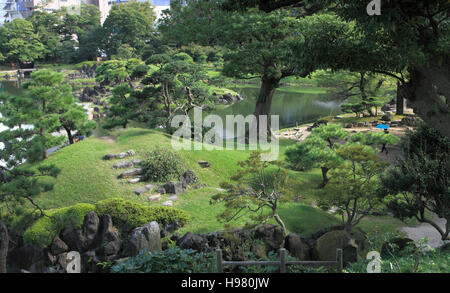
{"type": "Point", "coordinates": [11, 9]}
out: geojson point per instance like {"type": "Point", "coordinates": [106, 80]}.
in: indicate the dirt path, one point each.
{"type": "Point", "coordinates": [109, 139]}
{"type": "Point", "coordinates": [425, 230]}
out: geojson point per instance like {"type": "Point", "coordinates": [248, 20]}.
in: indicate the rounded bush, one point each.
{"type": "Point", "coordinates": [161, 165]}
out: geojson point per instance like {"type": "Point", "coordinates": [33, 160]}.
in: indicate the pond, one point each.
{"type": "Point", "coordinates": [292, 104]}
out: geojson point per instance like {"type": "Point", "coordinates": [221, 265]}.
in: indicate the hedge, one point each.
{"type": "Point", "coordinates": [122, 212]}
{"type": "Point", "coordinates": [44, 230]}
{"type": "Point", "coordinates": [135, 215]}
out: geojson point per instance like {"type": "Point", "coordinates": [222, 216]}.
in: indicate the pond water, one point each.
{"type": "Point", "coordinates": [293, 105]}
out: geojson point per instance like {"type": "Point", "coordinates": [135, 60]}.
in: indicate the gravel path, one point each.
{"type": "Point", "coordinates": [425, 230]}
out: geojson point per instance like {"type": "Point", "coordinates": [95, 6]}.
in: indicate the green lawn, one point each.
{"type": "Point", "coordinates": [86, 178]}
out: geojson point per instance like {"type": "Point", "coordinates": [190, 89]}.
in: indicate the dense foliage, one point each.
{"type": "Point", "coordinates": [161, 165]}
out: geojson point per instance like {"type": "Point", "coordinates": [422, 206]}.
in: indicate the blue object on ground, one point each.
{"type": "Point", "coordinates": [382, 126]}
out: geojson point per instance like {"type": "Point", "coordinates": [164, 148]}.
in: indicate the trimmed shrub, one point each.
{"type": "Point", "coordinates": [44, 230]}
{"type": "Point", "coordinates": [124, 212]}
{"type": "Point", "coordinates": [161, 165]}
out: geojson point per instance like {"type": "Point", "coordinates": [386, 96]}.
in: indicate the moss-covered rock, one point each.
{"type": "Point", "coordinates": [352, 244]}
{"type": "Point", "coordinates": [133, 215]}
{"type": "Point", "coordinates": [44, 230]}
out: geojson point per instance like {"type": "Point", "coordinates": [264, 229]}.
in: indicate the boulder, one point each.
{"type": "Point", "coordinates": [193, 241]}
{"type": "Point", "coordinates": [137, 162]}
{"type": "Point", "coordinates": [131, 173]}
{"type": "Point", "coordinates": [147, 237]}
{"type": "Point", "coordinates": [141, 190]}
{"type": "Point", "coordinates": [121, 155]}
{"type": "Point", "coordinates": [134, 180]}
{"type": "Point", "coordinates": [161, 190]}
{"type": "Point", "coordinates": [297, 247]}
{"type": "Point", "coordinates": [91, 227]}
{"type": "Point", "coordinates": [150, 186]}
{"type": "Point", "coordinates": [188, 177]}
{"type": "Point", "coordinates": [123, 165]}
{"type": "Point", "coordinates": [156, 197]}
{"type": "Point", "coordinates": [168, 203]}
{"type": "Point", "coordinates": [109, 157]}
{"type": "Point", "coordinates": [131, 153]}
{"type": "Point", "coordinates": [30, 257]}
{"type": "Point", "coordinates": [111, 243]}
{"type": "Point", "coordinates": [58, 246]}
{"type": "Point", "coordinates": [352, 244]}
{"type": "Point", "coordinates": [271, 235]}
{"type": "Point", "coordinates": [173, 187]}
{"type": "Point", "coordinates": [204, 164]}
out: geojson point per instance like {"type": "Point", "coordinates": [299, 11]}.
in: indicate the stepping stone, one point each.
{"type": "Point", "coordinates": [150, 186]}
{"type": "Point", "coordinates": [173, 197]}
{"type": "Point", "coordinates": [220, 189]}
{"type": "Point", "coordinates": [140, 190]}
{"type": "Point", "coordinates": [168, 203]}
{"type": "Point", "coordinates": [156, 197]}
{"type": "Point", "coordinates": [131, 173]}
{"type": "Point", "coordinates": [122, 165]}
{"type": "Point", "coordinates": [134, 181]}
{"type": "Point", "coordinates": [204, 164]}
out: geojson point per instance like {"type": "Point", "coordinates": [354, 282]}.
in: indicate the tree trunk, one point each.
{"type": "Point", "coordinates": [280, 222]}
{"type": "Point", "coordinates": [69, 135]}
{"type": "Point", "coordinates": [264, 102]}
{"type": "Point", "coordinates": [324, 177]}
{"type": "Point", "coordinates": [4, 241]}
{"type": "Point", "coordinates": [428, 91]}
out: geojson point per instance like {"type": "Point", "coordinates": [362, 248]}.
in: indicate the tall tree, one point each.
{"type": "Point", "coordinates": [19, 43]}
{"type": "Point", "coordinates": [128, 23]}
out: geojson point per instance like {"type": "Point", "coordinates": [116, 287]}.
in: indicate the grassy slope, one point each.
{"type": "Point", "coordinates": [85, 177]}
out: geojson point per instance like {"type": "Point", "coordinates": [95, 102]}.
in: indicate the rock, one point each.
{"type": "Point", "coordinates": [131, 173]}
{"type": "Point", "coordinates": [161, 190]}
{"type": "Point", "coordinates": [91, 227]}
{"type": "Point", "coordinates": [123, 165]}
{"type": "Point", "coordinates": [156, 197]}
{"type": "Point", "coordinates": [188, 177]}
{"type": "Point", "coordinates": [173, 187]}
{"type": "Point", "coordinates": [134, 180]}
{"type": "Point", "coordinates": [131, 153]}
{"type": "Point", "coordinates": [352, 244]}
{"type": "Point", "coordinates": [150, 186]}
{"type": "Point", "coordinates": [109, 157]}
{"type": "Point", "coordinates": [141, 190]}
{"type": "Point", "coordinates": [204, 164]}
{"type": "Point", "coordinates": [58, 246]}
{"type": "Point", "coordinates": [173, 197]}
{"type": "Point", "coordinates": [147, 237]}
{"type": "Point", "coordinates": [111, 243]}
{"type": "Point", "coordinates": [168, 203]}
{"type": "Point", "coordinates": [137, 162]}
{"type": "Point", "coordinates": [271, 235]}
{"type": "Point", "coordinates": [348, 125]}
{"type": "Point", "coordinates": [297, 247]}
{"type": "Point", "coordinates": [386, 108]}
{"type": "Point", "coordinates": [193, 241]}
{"type": "Point", "coordinates": [30, 257]}
{"type": "Point", "coordinates": [121, 155]}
